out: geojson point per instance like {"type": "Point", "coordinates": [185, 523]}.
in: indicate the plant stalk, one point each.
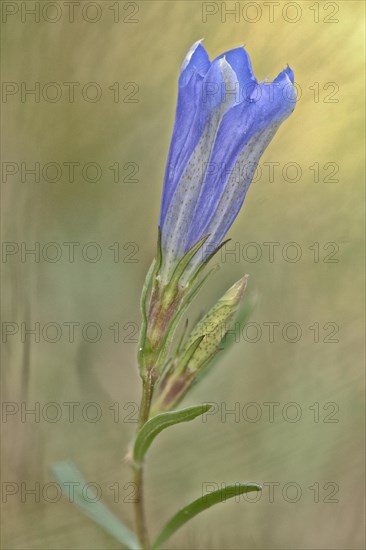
{"type": "Point", "coordinates": [141, 525]}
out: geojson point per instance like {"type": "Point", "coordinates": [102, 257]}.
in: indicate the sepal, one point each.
{"type": "Point", "coordinates": [163, 305]}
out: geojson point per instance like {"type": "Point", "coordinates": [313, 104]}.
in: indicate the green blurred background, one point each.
{"type": "Point", "coordinates": [148, 52]}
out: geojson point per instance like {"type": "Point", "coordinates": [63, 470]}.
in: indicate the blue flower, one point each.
{"type": "Point", "coordinates": [224, 121]}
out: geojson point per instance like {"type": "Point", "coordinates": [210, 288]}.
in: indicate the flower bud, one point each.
{"type": "Point", "coordinates": [214, 325]}
{"type": "Point", "coordinates": [200, 348]}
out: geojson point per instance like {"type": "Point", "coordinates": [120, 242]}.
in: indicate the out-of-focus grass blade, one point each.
{"type": "Point", "coordinates": [155, 425]}
{"type": "Point", "coordinates": [199, 505]}
{"type": "Point", "coordinates": [73, 484]}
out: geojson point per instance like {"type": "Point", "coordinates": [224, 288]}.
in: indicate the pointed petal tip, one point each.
{"type": "Point", "coordinates": [224, 64]}
{"type": "Point", "coordinates": [197, 43]}
{"type": "Point", "coordinates": [191, 53]}
{"type": "Point", "coordinates": [290, 73]}
{"type": "Point", "coordinates": [286, 75]}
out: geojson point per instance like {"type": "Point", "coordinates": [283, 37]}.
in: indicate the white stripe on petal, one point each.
{"type": "Point", "coordinates": [236, 187]}
{"type": "Point", "coordinates": [182, 205]}
{"type": "Point", "coordinates": [190, 52]}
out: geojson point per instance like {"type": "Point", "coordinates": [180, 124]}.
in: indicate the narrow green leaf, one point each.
{"type": "Point", "coordinates": [75, 488]}
{"type": "Point", "coordinates": [159, 259]}
{"type": "Point", "coordinates": [155, 425]}
{"type": "Point", "coordinates": [188, 354]}
{"type": "Point", "coordinates": [143, 307]}
{"type": "Point", "coordinates": [184, 262]}
{"type": "Point", "coordinates": [207, 260]}
{"type": "Point", "coordinates": [199, 505]}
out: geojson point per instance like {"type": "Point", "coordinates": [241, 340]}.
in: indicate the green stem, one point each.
{"type": "Point", "coordinates": [147, 393]}
{"type": "Point", "coordinates": [141, 525]}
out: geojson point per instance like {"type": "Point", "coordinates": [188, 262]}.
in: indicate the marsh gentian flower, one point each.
{"type": "Point", "coordinates": [224, 121]}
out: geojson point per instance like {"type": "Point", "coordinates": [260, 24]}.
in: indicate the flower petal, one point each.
{"type": "Point", "coordinates": [197, 59]}
{"type": "Point", "coordinates": [194, 67]}
{"type": "Point", "coordinates": [248, 128]}
{"type": "Point", "coordinates": [239, 60]}
{"type": "Point", "coordinates": [182, 144]}
{"type": "Point", "coordinates": [214, 103]}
